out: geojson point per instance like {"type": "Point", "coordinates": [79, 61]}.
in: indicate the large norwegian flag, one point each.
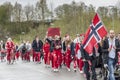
{"type": "Point", "coordinates": [94, 34]}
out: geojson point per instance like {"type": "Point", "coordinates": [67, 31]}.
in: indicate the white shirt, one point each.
{"type": "Point", "coordinates": [79, 54]}
{"type": "Point", "coordinates": [28, 45]}
{"type": "Point", "coordinates": [112, 45]}
{"type": "Point", "coordinates": [77, 40]}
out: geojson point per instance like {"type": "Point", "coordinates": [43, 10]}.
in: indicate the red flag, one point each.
{"type": "Point", "coordinates": [94, 34]}
{"type": "Point", "coordinates": [53, 31]}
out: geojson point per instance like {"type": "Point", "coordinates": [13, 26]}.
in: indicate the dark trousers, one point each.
{"type": "Point", "coordinates": [93, 69]}
{"type": "Point", "coordinates": [87, 69]}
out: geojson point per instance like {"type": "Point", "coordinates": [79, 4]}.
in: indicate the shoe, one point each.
{"type": "Point", "coordinates": [57, 70]}
{"type": "Point", "coordinates": [68, 69]}
{"type": "Point", "coordinates": [81, 71]}
{"type": "Point", "coordinates": [54, 70]}
{"type": "Point", "coordinates": [75, 70]}
{"type": "Point", "coordinates": [39, 62]}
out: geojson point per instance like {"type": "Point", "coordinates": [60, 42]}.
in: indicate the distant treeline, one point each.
{"type": "Point", "coordinates": [71, 18]}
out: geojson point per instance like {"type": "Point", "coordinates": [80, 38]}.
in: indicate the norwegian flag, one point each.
{"type": "Point", "coordinates": [94, 34]}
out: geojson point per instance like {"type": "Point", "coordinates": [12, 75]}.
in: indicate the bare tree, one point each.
{"type": "Point", "coordinates": [38, 11]}
{"type": "Point", "coordinates": [29, 12]}
{"type": "Point", "coordinates": [17, 12]}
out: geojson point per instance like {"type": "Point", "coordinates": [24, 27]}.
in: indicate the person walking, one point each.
{"type": "Point", "coordinates": [111, 48]}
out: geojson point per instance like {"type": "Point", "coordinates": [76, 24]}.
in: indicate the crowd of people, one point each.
{"type": "Point", "coordinates": [57, 52]}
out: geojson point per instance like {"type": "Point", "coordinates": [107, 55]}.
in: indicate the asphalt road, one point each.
{"type": "Point", "coordinates": [32, 71]}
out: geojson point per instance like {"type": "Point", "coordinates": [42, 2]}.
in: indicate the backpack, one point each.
{"type": "Point", "coordinates": [24, 49]}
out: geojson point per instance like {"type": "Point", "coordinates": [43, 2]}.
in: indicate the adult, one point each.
{"type": "Point", "coordinates": [10, 50]}
{"type": "Point", "coordinates": [46, 50]}
{"type": "Point", "coordinates": [110, 48]}
{"type": "Point", "coordinates": [2, 51]}
{"type": "Point", "coordinates": [29, 47]}
{"type": "Point", "coordinates": [57, 55]}
{"type": "Point", "coordinates": [37, 46]}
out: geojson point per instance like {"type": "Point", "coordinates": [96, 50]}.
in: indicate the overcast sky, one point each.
{"type": "Point", "coordinates": [55, 3]}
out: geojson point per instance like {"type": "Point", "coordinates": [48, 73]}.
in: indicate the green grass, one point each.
{"type": "Point", "coordinates": [69, 28]}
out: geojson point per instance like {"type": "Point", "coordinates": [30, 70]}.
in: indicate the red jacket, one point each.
{"type": "Point", "coordinates": [9, 45]}
{"type": "Point", "coordinates": [77, 47]}
{"type": "Point", "coordinates": [46, 47]}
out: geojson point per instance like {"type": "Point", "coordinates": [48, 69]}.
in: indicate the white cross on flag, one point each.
{"type": "Point", "coordinates": [94, 34]}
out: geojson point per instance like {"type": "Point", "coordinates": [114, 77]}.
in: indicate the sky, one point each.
{"type": "Point", "coordinates": [55, 3]}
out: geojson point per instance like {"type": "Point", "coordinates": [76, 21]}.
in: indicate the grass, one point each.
{"type": "Point", "coordinates": [69, 28]}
